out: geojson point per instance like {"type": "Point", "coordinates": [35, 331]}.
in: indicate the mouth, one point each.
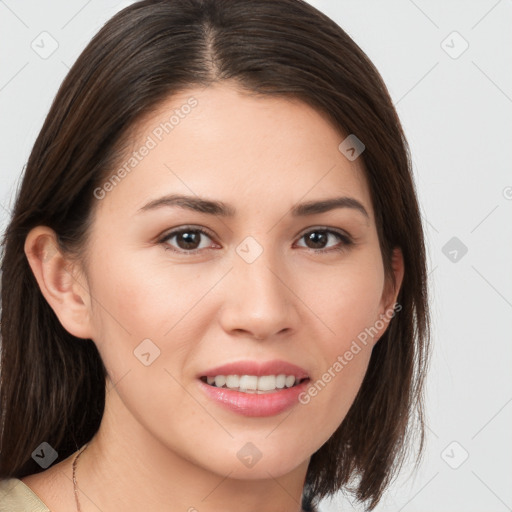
{"type": "Point", "coordinates": [255, 384]}
{"type": "Point", "coordinates": [255, 377]}
{"type": "Point", "coordinates": [255, 388]}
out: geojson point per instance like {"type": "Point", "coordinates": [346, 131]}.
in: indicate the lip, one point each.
{"type": "Point", "coordinates": [253, 404]}
{"type": "Point", "coordinates": [275, 367]}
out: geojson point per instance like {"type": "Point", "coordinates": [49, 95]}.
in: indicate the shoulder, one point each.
{"type": "Point", "coordinates": [15, 496]}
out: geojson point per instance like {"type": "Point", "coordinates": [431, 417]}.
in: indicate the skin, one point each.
{"type": "Point", "coordinates": [161, 440]}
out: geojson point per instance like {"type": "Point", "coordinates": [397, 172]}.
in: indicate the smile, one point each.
{"type": "Point", "coordinates": [253, 383]}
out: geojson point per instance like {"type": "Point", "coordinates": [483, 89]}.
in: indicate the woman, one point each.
{"type": "Point", "coordinates": [214, 285]}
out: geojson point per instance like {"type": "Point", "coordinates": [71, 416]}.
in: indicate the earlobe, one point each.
{"type": "Point", "coordinates": [65, 291]}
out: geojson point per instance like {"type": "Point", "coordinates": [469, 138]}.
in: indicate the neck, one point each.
{"type": "Point", "coordinates": [124, 466]}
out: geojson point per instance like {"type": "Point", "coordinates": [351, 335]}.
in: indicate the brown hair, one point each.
{"type": "Point", "coordinates": [52, 384]}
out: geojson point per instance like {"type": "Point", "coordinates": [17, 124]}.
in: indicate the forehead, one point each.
{"type": "Point", "coordinates": [247, 150]}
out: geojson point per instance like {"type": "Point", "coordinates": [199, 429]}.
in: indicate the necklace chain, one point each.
{"type": "Point", "coordinates": [75, 463]}
{"type": "Point", "coordinates": [75, 460]}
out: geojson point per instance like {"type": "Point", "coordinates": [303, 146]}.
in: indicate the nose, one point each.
{"type": "Point", "coordinates": [259, 301]}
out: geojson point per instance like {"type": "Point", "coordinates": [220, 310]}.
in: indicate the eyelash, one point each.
{"type": "Point", "coordinates": [343, 237]}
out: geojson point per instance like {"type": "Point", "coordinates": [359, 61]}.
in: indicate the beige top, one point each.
{"type": "Point", "coordinates": [15, 496]}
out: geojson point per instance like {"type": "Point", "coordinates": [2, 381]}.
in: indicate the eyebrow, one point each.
{"type": "Point", "coordinates": [222, 209]}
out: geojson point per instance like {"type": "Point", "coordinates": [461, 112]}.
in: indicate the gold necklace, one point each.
{"type": "Point", "coordinates": [74, 476]}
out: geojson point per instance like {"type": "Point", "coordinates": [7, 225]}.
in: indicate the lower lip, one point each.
{"type": "Point", "coordinates": [253, 404]}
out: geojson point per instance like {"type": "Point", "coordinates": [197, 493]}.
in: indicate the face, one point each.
{"type": "Point", "coordinates": [179, 290]}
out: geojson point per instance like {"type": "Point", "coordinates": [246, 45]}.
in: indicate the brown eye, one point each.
{"type": "Point", "coordinates": [187, 240]}
{"type": "Point", "coordinates": [318, 238]}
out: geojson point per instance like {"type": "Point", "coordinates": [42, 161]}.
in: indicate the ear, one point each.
{"type": "Point", "coordinates": [392, 289]}
{"type": "Point", "coordinates": [390, 293]}
{"type": "Point", "coordinates": [63, 287]}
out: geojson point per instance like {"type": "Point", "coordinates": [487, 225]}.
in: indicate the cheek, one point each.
{"type": "Point", "coordinates": [144, 341]}
{"type": "Point", "coordinates": [141, 301]}
{"type": "Point", "coordinates": [347, 300]}
{"type": "Point", "coordinates": [349, 308]}
{"type": "Point", "coordinates": [152, 313]}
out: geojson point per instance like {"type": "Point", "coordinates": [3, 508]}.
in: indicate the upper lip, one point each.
{"type": "Point", "coordinates": [257, 368]}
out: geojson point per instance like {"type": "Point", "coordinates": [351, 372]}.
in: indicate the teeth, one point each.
{"type": "Point", "coordinates": [280, 381]}
{"type": "Point", "coordinates": [220, 380]}
{"type": "Point", "coordinates": [232, 381]}
{"type": "Point", "coordinates": [290, 381]}
{"type": "Point", "coordinates": [252, 383]}
{"type": "Point", "coordinates": [248, 382]}
{"type": "Point", "coordinates": [267, 383]}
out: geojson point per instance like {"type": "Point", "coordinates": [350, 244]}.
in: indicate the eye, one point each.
{"type": "Point", "coordinates": [187, 239]}
{"type": "Point", "coordinates": [318, 238]}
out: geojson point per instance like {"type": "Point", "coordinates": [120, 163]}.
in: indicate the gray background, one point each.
{"type": "Point", "coordinates": [455, 105]}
